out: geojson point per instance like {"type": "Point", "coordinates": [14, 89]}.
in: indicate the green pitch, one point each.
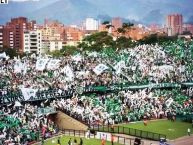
{"type": "Point", "coordinates": [64, 141]}
{"type": "Point", "coordinates": [172, 130]}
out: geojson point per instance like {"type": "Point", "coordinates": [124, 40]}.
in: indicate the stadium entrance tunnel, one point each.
{"type": "Point", "coordinates": [65, 122]}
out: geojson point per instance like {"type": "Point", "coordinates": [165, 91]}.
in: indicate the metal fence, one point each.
{"type": "Point", "coordinates": [119, 129]}
{"type": "Point", "coordinates": [128, 131]}
{"type": "Point", "coordinates": [117, 139]}
{"type": "Point", "coordinates": [83, 134]}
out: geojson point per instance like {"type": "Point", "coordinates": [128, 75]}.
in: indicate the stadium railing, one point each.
{"type": "Point", "coordinates": [119, 129]}
{"type": "Point", "coordinates": [128, 131]}
{"type": "Point", "coordinates": [118, 139]}
{"type": "Point", "coordinates": [13, 96]}
{"type": "Point", "coordinates": [83, 134]}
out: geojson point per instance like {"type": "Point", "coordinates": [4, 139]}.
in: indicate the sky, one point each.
{"type": "Point", "coordinates": [22, 0]}
{"type": "Point", "coordinates": [68, 11]}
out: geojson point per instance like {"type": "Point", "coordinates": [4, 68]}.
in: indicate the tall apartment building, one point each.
{"type": "Point", "coordinates": [6, 36]}
{"type": "Point", "coordinates": [13, 32]}
{"type": "Point", "coordinates": [53, 35]}
{"type": "Point", "coordinates": [174, 24]}
{"type": "Point", "coordinates": [32, 41]}
{"type": "Point", "coordinates": [1, 36]}
{"type": "Point", "coordinates": [117, 22]}
{"type": "Point", "coordinates": [52, 30]}
{"type": "Point", "coordinates": [91, 24]}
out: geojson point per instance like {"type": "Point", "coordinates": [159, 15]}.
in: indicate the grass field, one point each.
{"type": "Point", "coordinates": [172, 130]}
{"type": "Point", "coordinates": [64, 141]}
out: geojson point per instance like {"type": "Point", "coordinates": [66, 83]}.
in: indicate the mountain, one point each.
{"type": "Point", "coordinates": [154, 16]}
{"type": "Point", "coordinates": [190, 20]}
{"type": "Point", "coordinates": [15, 9]}
{"type": "Point", "coordinates": [74, 11]}
{"type": "Point", "coordinates": [67, 11]}
{"type": "Point", "coordinates": [141, 9]}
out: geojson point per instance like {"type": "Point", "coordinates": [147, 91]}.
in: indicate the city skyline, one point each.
{"type": "Point", "coordinates": [75, 11]}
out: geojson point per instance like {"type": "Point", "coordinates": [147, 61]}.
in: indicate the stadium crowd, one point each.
{"type": "Point", "coordinates": [144, 64]}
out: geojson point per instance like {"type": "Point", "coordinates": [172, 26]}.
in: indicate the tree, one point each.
{"type": "Point", "coordinates": [121, 31]}
{"type": "Point", "coordinates": [155, 38]}
{"type": "Point", "coordinates": [125, 28]}
{"type": "Point", "coordinates": [55, 53]}
{"type": "Point", "coordinates": [107, 25]}
{"type": "Point", "coordinates": [124, 42]}
{"type": "Point", "coordinates": [69, 50]}
{"type": "Point", "coordinates": [127, 25]}
{"type": "Point", "coordinates": [97, 42]}
{"type": "Point", "coordinates": [9, 51]}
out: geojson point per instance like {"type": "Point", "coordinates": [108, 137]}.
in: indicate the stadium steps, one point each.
{"type": "Point", "coordinates": [66, 122]}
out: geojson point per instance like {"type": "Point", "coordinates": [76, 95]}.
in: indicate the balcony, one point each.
{"type": "Point", "coordinates": [33, 36]}
{"type": "Point", "coordinates": [33, 48]}
{"type": "Point", "coordinates": [34, 45]}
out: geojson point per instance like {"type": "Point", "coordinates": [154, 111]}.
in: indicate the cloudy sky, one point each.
{"type": "Point", "coordinates": [22, 0]}
{"type": "Point", "coordinates": [68, 11]}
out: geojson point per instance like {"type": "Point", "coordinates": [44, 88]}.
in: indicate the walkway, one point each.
{"type": "Point", "coordinates": [187, 140]}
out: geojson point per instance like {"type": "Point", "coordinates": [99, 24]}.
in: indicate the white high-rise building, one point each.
{"type": "Point", "coordinates": [32, 41]}
{"type": "Point", "coordinates": [91, 24]}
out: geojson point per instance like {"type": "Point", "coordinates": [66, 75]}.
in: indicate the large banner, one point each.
{"type": "Point", "coordinates": [29, 94]}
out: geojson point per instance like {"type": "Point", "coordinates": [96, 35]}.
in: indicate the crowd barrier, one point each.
{"type": "Point", "coordinates": [13, 96]}
{"type": "Point", "coordinates": [128, 131]}
{"type": "Point", "coordinates": [118, 129]}
{"type": "Point", "coordinates": [93, 135]}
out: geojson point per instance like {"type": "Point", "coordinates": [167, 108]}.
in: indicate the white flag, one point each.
{"type": "Point", "coordinates": [41, 64]}
{"type": "Point", "coordinates": [28, 93]}
{"type": "Point", "coordinates": [18, 67]}
{"type": "Point", "coordinates": [53, 64]}
{"type": "Point", "coordinates": [169, 102]}
{"type": "Point", "coordinates": [93, 54]}
{"type": "Point", "coordinates": [3, 55]}
{"type": "Point", "coordinates": [119, 66]}
{"type": "Point", "coordinates": [69, 73]}
{"type": "Point", "coordinates": [100, 68]}
{"type": "Point", "coordinates": [77, 57]}
{"type": "Point", "coordinates": [17, 104]}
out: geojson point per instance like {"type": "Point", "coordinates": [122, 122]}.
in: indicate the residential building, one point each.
{"type": "Point", "coordinates": [6, 36]}
{"type": "Point", "coordinates": [53, 35]}
{"type": "Point", "coordinates": [55, 45]}
{"type": "Point", "coordinates": [188, 28]}
{"type": "Point", "coordinates": [73, 36]}
{"type": "Point", "coordinates": [117, 22]}
{"type": "Point", "coordinates": [174, 24]}
{"type": "Point", "coordinates": [91, 24]}
{"type": "Point", "coordinates": [52, 30]}
{"type": "Point", "coordinates": [102, 27]}
{"type": "Point", "coordinates": [13, 32]}
{"type": "Point", "coordinates": [51, 45]}
{"type": "Point", "coordinates": [1, 36]}
{"type": "Point", "coordinates": [32, 41]}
